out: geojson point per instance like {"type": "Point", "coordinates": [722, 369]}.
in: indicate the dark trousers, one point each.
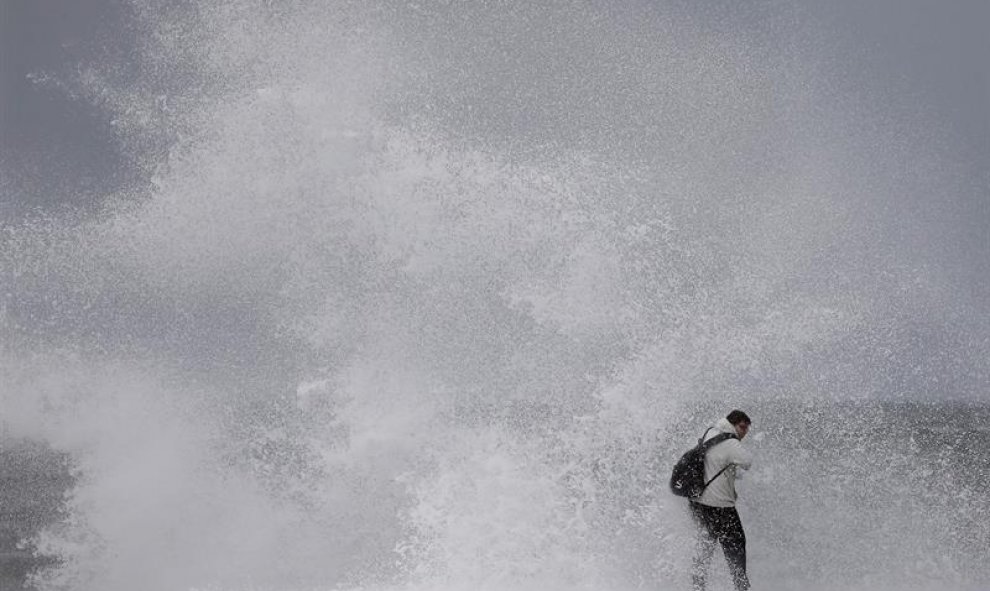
{"type": "Point", "coordinates": [722, 525]}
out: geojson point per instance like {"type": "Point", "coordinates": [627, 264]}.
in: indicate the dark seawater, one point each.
{"type": "Point", "coordinates": [873, 492]}
{"type": "Point", "coordinates": [33, 483]}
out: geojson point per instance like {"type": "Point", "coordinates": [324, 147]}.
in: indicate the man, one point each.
{"type": "Point", "coordinates": [715, 510]}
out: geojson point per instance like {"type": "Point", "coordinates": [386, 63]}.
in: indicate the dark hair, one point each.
{"type": "Point", "coordinates": [737, 416]}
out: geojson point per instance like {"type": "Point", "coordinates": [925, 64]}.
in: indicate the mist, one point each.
{"type": "Point", "coordinates": [425, 296]}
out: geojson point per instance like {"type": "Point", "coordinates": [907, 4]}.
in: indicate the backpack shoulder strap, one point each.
{"type": "Point", "coordinates": [712, 443]}
{"type": "Point", "coordinates": [717, 475]}
{"type": "Point", "coordinates": [716, 440]}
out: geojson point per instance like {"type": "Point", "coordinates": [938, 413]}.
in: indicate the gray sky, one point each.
{"type": "Point", "coordinates": [927, 56]}
{"type": "Point", "coordinates": [935, 50]}
{"type": "Point", "coordinates": [41, 129]}
{"type": "Point", "coordinates": [921, 58]}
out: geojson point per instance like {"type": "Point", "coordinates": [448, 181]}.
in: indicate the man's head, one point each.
{"type": "Point", "coordinates": [740, 421]}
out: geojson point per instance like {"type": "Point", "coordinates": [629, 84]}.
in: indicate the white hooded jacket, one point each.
{"type": "Point", "coordinates": [722, 491]}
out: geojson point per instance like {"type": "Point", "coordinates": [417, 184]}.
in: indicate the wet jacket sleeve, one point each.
{"type": "Point", "coordinates": [740, 456]}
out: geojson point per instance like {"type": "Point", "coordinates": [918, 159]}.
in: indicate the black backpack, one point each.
{"type": "Point", "coordinates": [688, 477]}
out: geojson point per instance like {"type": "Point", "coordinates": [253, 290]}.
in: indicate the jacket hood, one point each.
{"type": "Point", "coordinates": [725, 426]}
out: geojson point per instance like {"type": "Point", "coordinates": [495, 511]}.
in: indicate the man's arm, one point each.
{"type": "Point", "coordinates": [740, 456]}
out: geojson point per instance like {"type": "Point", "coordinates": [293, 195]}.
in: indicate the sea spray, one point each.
{"type": "Point", "coordinates": [432, 296]}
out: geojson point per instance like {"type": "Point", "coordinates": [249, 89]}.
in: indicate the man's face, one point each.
{"type": "Point", "coordinates": [742, 428]}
